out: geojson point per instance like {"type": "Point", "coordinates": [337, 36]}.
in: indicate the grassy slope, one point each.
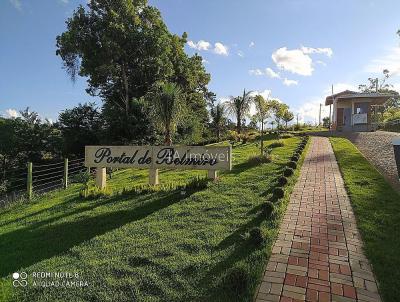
{"type": "Point", "coordinates": [160, 246]}
{"type": "Point", "coordinates": [377, 209]}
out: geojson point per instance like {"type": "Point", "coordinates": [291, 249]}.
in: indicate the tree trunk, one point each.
{"type": "Point", "coordinates": [239, 123]}
{"type": "Point", "coordinates": [168, 139]}
{"type": "Point", "coordinates": [261, 137]}
{"type": "Point", "coordinates": [126, 90]}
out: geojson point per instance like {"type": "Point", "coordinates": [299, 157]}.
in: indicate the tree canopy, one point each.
{"type": "Point", "coordinates": [123, 48]}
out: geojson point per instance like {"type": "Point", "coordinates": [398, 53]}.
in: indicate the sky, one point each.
{"type": "Point", "coordinates": [292, 50]}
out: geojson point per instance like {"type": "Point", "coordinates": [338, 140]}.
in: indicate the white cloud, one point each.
{"type": "Point", "coordinates": [298, 61]}
{"type": "Point", "coordinates": [266, 94]}
{"type": "Point", "coordinates": [204, 61]}
{"type": "Point", "coordinates": [309, 111]}
{"type": "Point", "coordinates": [294, 61]}
{"type": "Point", "coordinates": [321, 62]}
{"type": "Point", "coordinates": [252, 44]}
{"type": "Point", "coordinates": [240, 53]}
{"type": "Point", "coordinates": [12, 113]}
{"type": "Point", "coordinates": [17, 4]}
{"type": "Point", "coordinates": [221, 49]}
{"type": "Point", "coordinates": [272, 74]}
{"type": "Point", "coordinates": [256, 72]}
{"type": "Point", "coordinates": [310, 50]}
{"type": "Point", "coordinates": [64, 1]}
{"type": "Point", "coordinates": [288, 82]}
{"type": "Point", "coordinates": [200, 45]}
{"type": "Point", "coordinates": [390, 61]}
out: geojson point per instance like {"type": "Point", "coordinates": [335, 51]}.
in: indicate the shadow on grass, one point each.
{"type": "Point", "coordinates": [242, 249]}
{"type": "Point", "coordinates": [39, 241]}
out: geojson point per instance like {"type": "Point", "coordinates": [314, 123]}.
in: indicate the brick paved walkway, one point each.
{"type": "Point", "coordinates": [318, 255]}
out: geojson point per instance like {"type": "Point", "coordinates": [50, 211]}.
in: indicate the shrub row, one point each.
{"type": "Point", "coordinates": [237, 278]}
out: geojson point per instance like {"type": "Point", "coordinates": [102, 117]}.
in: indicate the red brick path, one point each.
{"type": "Point", "coordinates": [318, 255]}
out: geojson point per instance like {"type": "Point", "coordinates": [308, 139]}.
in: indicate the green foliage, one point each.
{"type": "Point", "coordinates": [286, 135]}
{"type": "Point", "coordinates": [94, 192]}
{"type": "Point", "coordinates": [105, 41]}
{"type": "Point", "coordinates": [377, 210]}
{"type": "Point", "coordinates": [218, 120]}
{"type": "Point", "coordinates": [268, 209]}
{"type": "Point", "coordinates": [236, 280]}
{"type": "Point", "coordinates": [278, 193]}
{"type": "Point", "coordinates": [295, 157]}
{"type": "Point", "coordinates": [240, 107]}
{"type": "Point", "coordinates": [167, 107]}
{"type": "Point", "coordinates": [282, 181]}
{"type": "Point", "coordinates": [256, 236]}
{"type": "Point", "coordinates": [276, 144]}
{"type": "Point", "coordinates": [288, 172]}
{"type": "Point", "coordinates": [80, 126]}
{"type": "Point", "coordinates": [292, 164]}
{"type": "Point", "coordinates": [259, 159]}
{"type": "Point", "coordinates": [166, 245]}
{"type": "Point", "coordinates": [27, 138]}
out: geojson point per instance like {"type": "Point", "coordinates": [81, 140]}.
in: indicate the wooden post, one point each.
{"type": "Point", "coordinates": [65, 173]}
{"type": "Point", "coordinates": [29, 181]}
{"type": "Point", "coordinates": [212, 174]}
{"type": "Point", "coordinates": [153, 177]}
{"type": "Point", "coordinates": [101, 180]}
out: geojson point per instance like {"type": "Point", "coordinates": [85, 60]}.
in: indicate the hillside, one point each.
{"type": "Point", "coordinates": [166, 245]}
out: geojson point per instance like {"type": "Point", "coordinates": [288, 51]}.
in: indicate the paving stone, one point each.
{"type": "Point", "coordinates": [318, 255]}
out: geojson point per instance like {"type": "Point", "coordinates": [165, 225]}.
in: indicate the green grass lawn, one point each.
{"type": "Point", "coordinates": [159, 246]}
{"type": "Point", "coordinates": [377, 209]}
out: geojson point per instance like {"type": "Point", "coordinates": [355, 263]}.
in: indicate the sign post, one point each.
{"type": "Point", "coordinates": [210, 158]}
{"type": "Point", "coordinates": [396, 147]}
{"type": "Point", "coordinates": [101, 179]}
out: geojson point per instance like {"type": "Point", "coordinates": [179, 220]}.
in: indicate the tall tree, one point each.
{"type": "Point", "coordinates": [240, 107]}
{"type": "Point", "coordinates": [287, 117]}
{"type": "Point", "coordinates": [167, 107]}
{"type": "Point", "coordinates": [123, 47]}
{"type": "Point", "coordinates": [218, 119]}
{"type": "Point", "coordinates": [279, 110]}
{"type": "Point", "coordinates": [80, 126]}
{"type": "Point", "coordinates": [262, 113]}
{"type": "Point", "coordinates": [381, 85]}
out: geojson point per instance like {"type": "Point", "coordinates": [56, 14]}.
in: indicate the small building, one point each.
{"type": "Point", "coordinates": [355, 111]}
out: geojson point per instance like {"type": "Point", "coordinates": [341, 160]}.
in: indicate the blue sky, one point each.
{"type": "Point", "coordinates": [292, 50]}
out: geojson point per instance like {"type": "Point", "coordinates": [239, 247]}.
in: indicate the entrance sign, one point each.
{"type": "Point", "coordinates": [211, 158]}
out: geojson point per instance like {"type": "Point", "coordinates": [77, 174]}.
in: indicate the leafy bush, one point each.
{"type": "Point", "coordinates": [95, 192]}
{"type": "Point", "coordinates": [287, 135]}
{"type": "Point", "coordinates": [268, 208]}
{"type": "Point", "coordinates": [295, 157]}
{"type": "Point", "coordinates": [282, 181]}
{"type": "Point", "coordinates": [292, 164]}
{"type": "Point", "coordinates": [276, 144]}
{"type": "Point", "coordinates": [288, 172]}
{"type": "Point", "coordinates": [256, 236]}
{"type": "Point", "coordinates": [236, 280]}
{"type": "Point", "coordinates": [259, 159]}
{"type": "Point", "coordinates": [279, 193]}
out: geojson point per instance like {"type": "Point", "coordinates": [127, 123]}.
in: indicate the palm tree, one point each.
{"type": "Point", "coordinates": [218, 115]}
{"type": "Point", "coordinates": [240, 106]}
{"type": "Point", "coordinates": [262, 113]}
{"type": "Point", "coordinates": [167, 106]}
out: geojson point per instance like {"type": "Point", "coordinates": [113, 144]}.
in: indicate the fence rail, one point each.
{"type": "Point", "coordinates": [39, 179]}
